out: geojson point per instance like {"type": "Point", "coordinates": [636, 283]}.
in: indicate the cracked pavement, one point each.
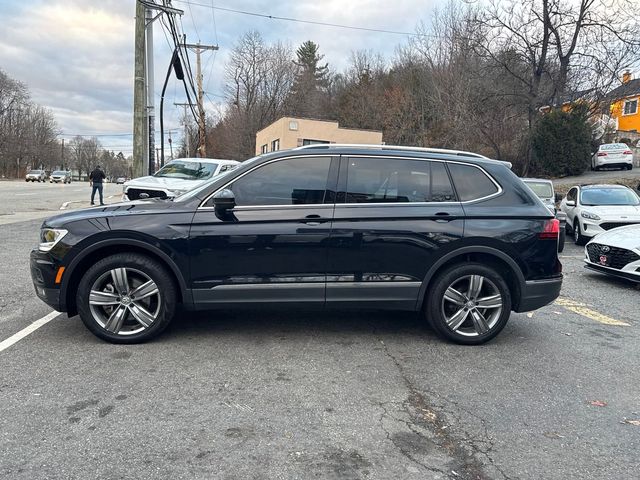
{"type": "Point", "coordinates": [297, 394]}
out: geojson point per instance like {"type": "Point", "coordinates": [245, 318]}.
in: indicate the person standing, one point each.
{"type": "Point", "coordinates": [95, 181]}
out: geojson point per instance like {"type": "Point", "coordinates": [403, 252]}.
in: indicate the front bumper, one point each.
{"type": "Point", "coordinates": [538, 293]}
{"type": "Point", "coordinates": [43, 275]}
{"type": "Point", "coordinates": [626, 274]}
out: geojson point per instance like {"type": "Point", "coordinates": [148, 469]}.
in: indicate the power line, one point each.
{"type": "Point", "coordinates": [309, 22]}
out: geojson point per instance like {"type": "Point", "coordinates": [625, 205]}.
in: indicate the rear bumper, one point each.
{"type": "Point", "coordinates": [538, 293]}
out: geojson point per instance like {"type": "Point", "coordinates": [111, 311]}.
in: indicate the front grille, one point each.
{"type": "Point", "coordinates": [134, 193]}
{"type": "Point", "coordinates": [612, 225]}
{"type": "Point", "coordinates": [617, 257]}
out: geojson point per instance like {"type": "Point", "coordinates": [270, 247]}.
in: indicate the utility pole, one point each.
{"type": "Point", "coordinates": [62, 155]}
{"type": "Point", "coordinates": [170, 145]}
{"type": "Point", "coordinates": [139, 123]}
{"type": "Point", "coordinates": [198, 49]}
{"type": "Point", "coordinates": [187, 142]}
{"type": "Point", "coordinates": [143, 105]}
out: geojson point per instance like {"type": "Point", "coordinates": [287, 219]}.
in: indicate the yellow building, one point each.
{"type": "Point", "coordinates": [624, 104]}
{"type": "Point", "coordinates": [290, 132]}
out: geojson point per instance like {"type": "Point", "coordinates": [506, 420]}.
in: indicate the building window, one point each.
{"type": "Point", "coordinates": [630, 107]}
{"type": "Point", "coordinates": [293, 125]}
{"type": "Point", "coordinates": [263, 148]}
{"type": "Point", "coordinates": [308, 141]}
{"type": "Point", "coordinates": [275, 145]}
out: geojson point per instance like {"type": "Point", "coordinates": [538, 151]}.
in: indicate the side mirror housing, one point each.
{"type": "Point", "coordinates": [570, 203]}
{"type": "Point", "coordinates": [223, 201]}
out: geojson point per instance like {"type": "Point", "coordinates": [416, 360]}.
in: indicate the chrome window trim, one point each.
{"type": "Point", "coordinates": [200, 207]}
{"type": "Point", "coordinates": [370, 205]}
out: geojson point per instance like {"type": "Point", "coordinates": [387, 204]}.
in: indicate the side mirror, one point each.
{"type": "Point", "coordinates": [224, 200]}
{"type": "Point", "coordinates": [570, 203]}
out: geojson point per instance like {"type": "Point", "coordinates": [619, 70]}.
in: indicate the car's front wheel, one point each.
{"type": "Point", "coordinates": [468, 303]}
{"type": "Point", "coordinates": [578, 238]}
{"type": "Point", "coordinates": [126, 298]}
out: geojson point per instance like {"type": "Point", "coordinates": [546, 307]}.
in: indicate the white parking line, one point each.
{"type": "Point", "coordinates": [24, 194]}
{"type": "Point", "coordinates": [27, 330]}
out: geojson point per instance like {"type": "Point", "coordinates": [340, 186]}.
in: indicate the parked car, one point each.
{"type": "Point", "coordinates": [460, 238]}
{"type": "Point", "coordinates": [120, 180]}
{"type": "Point", "coordinates": [612, 155]}
{"type": "Point", "coordinates": [176, 178]}
{"type": "Point", "coordinates": [593, 209]}
{"type": "Point", "coordinates": [544, 190]}
{"type": "Point", "coordinates": [616, 252]}
{"type": "Point", "coordinates": [36, 176]}
{"type": "Point", "coordinates": [60, 176]}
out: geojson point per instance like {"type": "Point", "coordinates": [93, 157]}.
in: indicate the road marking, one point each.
{"type": "Point", "coordinates": [27, 330]}
{"type": "Point", "coordinates": [582, 309]}
{"type": "Point", "coordinates": [25, 194]}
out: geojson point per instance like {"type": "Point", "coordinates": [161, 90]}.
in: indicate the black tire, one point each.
{"type": "Point", "coordinates": [139, 266]}
{"type": "Point", "coordinates": [578, 238]}
{"type": "Point", "coordinates": [562, 239]}
{"type": "Point", "coordinates": [466, 334]}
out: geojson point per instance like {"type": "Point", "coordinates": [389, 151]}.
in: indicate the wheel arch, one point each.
{"type": "Point", "coordinates": [105, 248]}
{"type": "Point", "coordinates": [481, 254]}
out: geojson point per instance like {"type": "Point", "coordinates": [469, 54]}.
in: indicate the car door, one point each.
{"type": "Point", "coordinates": [393, 216]}
{"type": "Point", "coordinates": [570, 210]}
{"type": "Point", "coordinates": [272, 247]}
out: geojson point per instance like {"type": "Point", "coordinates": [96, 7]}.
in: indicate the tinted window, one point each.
{"type": "Point", "coordinates": [382, 180]}
{"type": "Point", "coordinates": [471, 182]}
{"type": "Point", "coordinates": [296, 181]}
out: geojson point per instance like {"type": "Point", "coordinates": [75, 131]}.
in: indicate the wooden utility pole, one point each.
{"type": "Point", "coordinates": [187, 142]}
{"type": "Point", "coordinates": [198, 49]}
{"type": "Point", "coordinates": [62, 155]}
{"type": "Point", "coordinates": [139, 101]}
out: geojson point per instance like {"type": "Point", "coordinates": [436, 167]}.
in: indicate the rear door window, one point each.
{"type": "Point", "coordinates": [391, 180]}
{"type": "Point", "coordinates": [471, 182]}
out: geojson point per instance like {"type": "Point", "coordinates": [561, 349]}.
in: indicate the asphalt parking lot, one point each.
{"type": "Point", "coordinates": [316, 394]}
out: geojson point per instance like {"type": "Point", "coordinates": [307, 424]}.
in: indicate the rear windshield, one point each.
{"type": "Point", "coordinates": [541, 189]}
{"type": "Point", "coordinates": [608, 196]}
{"type": "Point", "coordinates": [614, 146]}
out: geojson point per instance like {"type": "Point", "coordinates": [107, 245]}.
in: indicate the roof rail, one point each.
{"type": "Point", "coordinates": [391, 147]}
{"type": "Point", "coordinates": [461, 153]}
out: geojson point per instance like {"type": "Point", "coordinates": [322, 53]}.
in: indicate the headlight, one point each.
{"type": "Point", "coordinates": [589, 215]}
{"type": "Point", "coordinates": [49, 237]}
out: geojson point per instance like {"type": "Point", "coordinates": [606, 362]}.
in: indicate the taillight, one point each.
{"type": "Point", "coordinates": [627, 152]}
{"type": "Point", "coordinates": [551, 229]}
{"type": "Point", "coordinates": [602, 154]}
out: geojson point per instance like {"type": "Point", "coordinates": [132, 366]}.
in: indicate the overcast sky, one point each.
{"type": "Point", "coordinates": [76, 56]}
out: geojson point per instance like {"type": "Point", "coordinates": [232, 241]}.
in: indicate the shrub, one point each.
{"type": "Point", "coordinates": [562, 143]}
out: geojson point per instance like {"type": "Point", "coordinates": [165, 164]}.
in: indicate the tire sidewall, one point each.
{"type": "Point", "coordinates": [435, 295]}
{"type": "Point", "coordinates": [147, 265]}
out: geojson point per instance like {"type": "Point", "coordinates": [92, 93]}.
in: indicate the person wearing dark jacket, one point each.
{"type": "Point", "coordinates": [95, 181]}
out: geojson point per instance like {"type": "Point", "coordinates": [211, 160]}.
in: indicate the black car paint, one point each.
{"type": "Point", "coordinates": [342, 254]}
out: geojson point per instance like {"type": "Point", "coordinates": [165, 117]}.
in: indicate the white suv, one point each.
{"type": "Point", "coordinates": [175, 178]}
{"type": "Point", "coordinates": [612, 155]}
{"type": "Point", "coordinates": [593, 209]}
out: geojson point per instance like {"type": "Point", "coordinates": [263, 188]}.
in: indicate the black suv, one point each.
{"type": "Point", "coordinates": [451, 234]}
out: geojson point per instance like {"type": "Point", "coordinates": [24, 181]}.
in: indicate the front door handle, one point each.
{"type": "Point", "coordinates": [443, 217]}
{"type": "Point", "coordinates": [314, 220]}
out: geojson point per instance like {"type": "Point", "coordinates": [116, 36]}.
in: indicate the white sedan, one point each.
{"type": "Point", "coordinates": [617, 155]}
{"type": "Point", "coordinates": [593, 209]}
{"type": "Point", "coordinates": [616, 253]}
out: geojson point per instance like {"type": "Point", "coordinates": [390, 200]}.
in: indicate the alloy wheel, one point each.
{"type": "Point", "coordinates": [125, 301]}
{"type": "Point", "coordinates": [472, 305]}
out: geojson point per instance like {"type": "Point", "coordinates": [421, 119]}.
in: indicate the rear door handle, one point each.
{"type": "Point", "coordinates": [314, 220]}
{"type": "Point", "coordinates": [443, 217]}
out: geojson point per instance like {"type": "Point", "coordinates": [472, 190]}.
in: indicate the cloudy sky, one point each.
{"type": "Point", "coordinates": [76, 56]}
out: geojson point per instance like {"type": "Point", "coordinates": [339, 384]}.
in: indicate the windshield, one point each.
{"type": "Point", "coordinates": [194, 193]}
{"type": "Point", "coordinates": [614, 146]}
{"type": "Point", "coordinates": [35, 172]}
{"type": "Point", "coordinates": [187, 170]}
{"type": "Point", "coordinates": [59, 172]}
{"type": "Point", "coordinates": [608, 196]}
{"type": "Point", "coordinates": [541, 189]}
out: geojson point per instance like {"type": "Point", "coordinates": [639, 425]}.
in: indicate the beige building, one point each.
{"type": "Point", "coordinates": [290, 132]}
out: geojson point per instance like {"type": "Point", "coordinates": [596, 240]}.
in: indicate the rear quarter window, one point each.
{"type": "Point", "coordinates": [471, 182]}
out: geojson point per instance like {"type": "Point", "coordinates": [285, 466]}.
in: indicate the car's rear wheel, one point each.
{"type": "Point", "coordinates": [468, 303]}
{"type": "Point", "coordinates": [578, 238]}
{"type": "Point", "coordinates": [126, 298]}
